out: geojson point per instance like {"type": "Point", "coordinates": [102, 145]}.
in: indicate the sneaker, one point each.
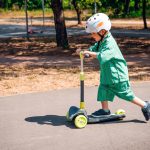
{"type": "Point", "coordinates": [100, 112]}
{"type": "Point", "coordinates": [146, 111]}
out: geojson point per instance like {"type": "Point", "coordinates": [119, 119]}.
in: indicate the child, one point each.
{"type": "Point", "coordinates": [114, 78]}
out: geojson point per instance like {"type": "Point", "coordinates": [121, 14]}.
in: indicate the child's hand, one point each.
{"type": "Point", "coordinates": [91, 54]}
{"type": "Point", "coordinates": [87, 56]}
{"type": "Point", "coordinates": [86, 52]}
{"type": "Point", "coordinates": [79, 50]}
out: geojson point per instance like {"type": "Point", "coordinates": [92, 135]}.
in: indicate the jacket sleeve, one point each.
{"type": "Point", "coordinates": [105, 55]}
{"type": "Point", "coordinates": [94, 48]}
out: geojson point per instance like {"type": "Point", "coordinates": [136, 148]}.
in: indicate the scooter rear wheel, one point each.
{"type": "Point", "coordinates": [80, 121]}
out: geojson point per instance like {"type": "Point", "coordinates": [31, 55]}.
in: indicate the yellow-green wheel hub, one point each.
{"type": "Point", "coordinates": [80, 121]}
{"type": "Point", "coordinates": [120, 112]}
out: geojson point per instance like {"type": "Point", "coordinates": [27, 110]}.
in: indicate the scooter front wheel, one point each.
{"type": "Point", "coordinates": [80, 121]}
{"type": "Point", "coordinates": [120, 112]}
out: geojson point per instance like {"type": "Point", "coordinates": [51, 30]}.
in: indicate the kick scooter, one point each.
{"type": "Point", "coordinates": [79, 115]}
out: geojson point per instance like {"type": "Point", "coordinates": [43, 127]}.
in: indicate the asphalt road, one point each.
{"type": "Point", "coordinates": [37, 121]}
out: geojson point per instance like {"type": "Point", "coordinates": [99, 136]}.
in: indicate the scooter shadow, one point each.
{"type": "Point", "coordinates": [56, 120]}
{"type": "Point", "coordinates": [53, 120]}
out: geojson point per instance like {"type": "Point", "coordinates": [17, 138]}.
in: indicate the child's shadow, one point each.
{"type": "Point", "coordinates": [50, 120]}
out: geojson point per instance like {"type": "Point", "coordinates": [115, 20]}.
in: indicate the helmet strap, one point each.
{"type": "Point", "coordinates": [102, 36]}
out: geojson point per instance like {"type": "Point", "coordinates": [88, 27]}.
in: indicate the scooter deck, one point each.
{"type": "Point", "coordinates": [75, 111]}
{"type": "Point", "coordinates": [112, 117]}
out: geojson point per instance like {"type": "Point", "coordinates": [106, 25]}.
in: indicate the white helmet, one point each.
{"type": "Point", "coordinates": [97, 22]}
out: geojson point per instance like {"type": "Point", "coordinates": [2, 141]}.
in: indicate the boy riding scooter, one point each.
{"type": "Point", "coordinates": [114, 80]}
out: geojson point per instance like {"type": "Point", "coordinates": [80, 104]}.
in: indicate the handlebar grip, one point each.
{"type": "Point", "coordinates": [86, 55]}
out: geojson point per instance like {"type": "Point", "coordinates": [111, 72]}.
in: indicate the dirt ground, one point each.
{"type": "Point", "coordinates": [38, 65]}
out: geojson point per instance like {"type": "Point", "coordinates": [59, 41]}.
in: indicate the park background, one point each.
{"type": "Point", "coordinates": [38, 40]}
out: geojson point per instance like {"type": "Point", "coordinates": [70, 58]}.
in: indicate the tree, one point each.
{"type": "Point", "coordinates": [60, 27]}
{"type": "Point", "coordinates": [126, 8]}
{"type": "Point", "coordinates": [144, 13]}
{"type": "Point", "coordinates": [5, 4]}
{"type": "Point", "coordinates": [80, 5]}
{"type": "Point", "coordinates": [1, 4]}
{"type": "Point", "coordinates": [78, 10]}
{"type": "Point", "coordinates": [136, 5]}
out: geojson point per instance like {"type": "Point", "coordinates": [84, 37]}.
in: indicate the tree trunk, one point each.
{"type": "Point", "coordinates": [126, 9]}
{"type": "Point", "coordinates": [78, 11]}
{"type": "Point", "coordinates": [60, 27]}
{"type": "Point", "coordinates": [144, 14]}
{"type": "Point", "coordinates": [1, 4]}
{"type": "Point", "coordinates": [136, 5]}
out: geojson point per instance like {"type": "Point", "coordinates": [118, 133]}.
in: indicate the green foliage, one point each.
{"type": "Point", "coordinates": [66, 4]}
{"type": "Point", "coordinates": [34, 4]}
{"type": "Point", "coordinates": [114, 8]}
{"type": "Point", "coordinates": [87, 4]}
{"type": "Point", "coordinates": [17, 2]}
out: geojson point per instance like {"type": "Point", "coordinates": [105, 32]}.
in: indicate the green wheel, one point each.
{"type": "Point", "coordinates": [80, 121]}
{"type": "Point", "coordinates": [120, 112]}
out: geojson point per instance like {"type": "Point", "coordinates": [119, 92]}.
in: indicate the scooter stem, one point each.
{"type": "Point", "coordinates": [82, 104]}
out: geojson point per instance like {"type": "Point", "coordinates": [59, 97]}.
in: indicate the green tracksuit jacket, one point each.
{"type": "Point", "coordinates": [112, 64]}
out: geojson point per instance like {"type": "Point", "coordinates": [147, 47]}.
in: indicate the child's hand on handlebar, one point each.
{"type": "Point", "coordinates": [79, 50]}
{"type": "Point", "coordinates": [89, 54]}
{"type": "Point", "coordinates": [86, 54]}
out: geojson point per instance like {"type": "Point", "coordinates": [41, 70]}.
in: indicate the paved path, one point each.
{"type": "Point", "coordinates": [16, 28]}
{"type": "Point", "coordinates": [37, 122]}
{"type": "Point", "coordinates": [17, 31]}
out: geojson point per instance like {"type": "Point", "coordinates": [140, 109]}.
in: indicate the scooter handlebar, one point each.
{"type": "Point", "coordinates": [82, 55]}
{"type": "Point", "coordinates": [86, 55]}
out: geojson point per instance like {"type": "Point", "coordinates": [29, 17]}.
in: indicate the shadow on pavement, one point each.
{"type": "Point", "coordinates": [53, 120]}
{"type": "Point", "coordinates": [56, 120]}
{"type": "Point", "coordinates": [125, 121]}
